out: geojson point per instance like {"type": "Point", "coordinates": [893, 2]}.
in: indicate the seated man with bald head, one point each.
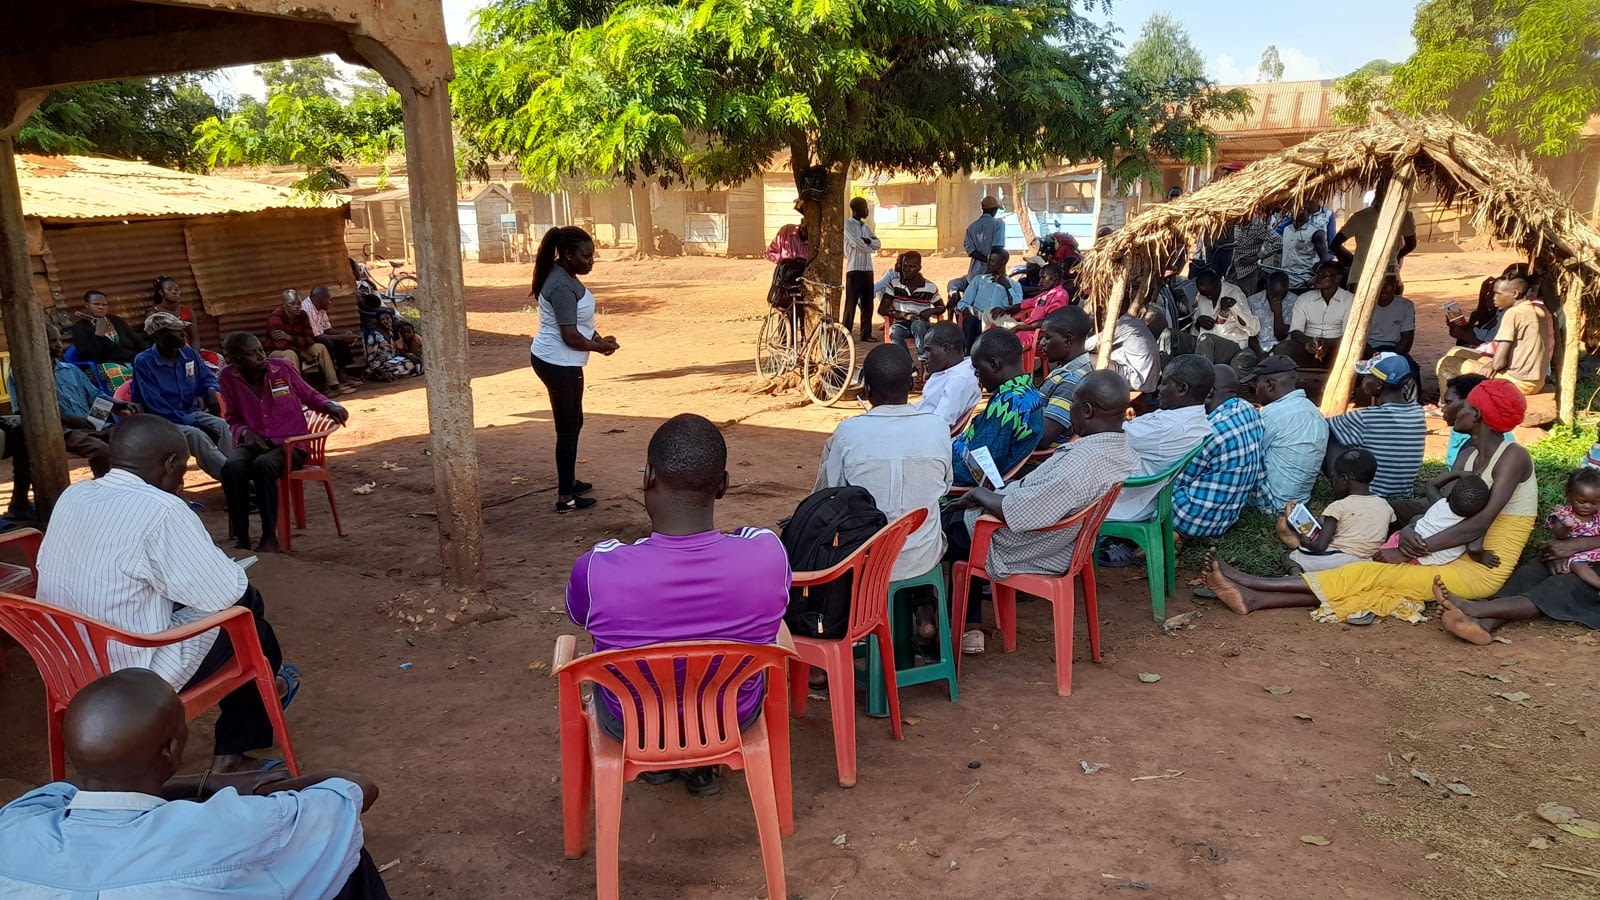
{"type": "Point", "coordinates": [1076, 475]}
{"type": "Point", "coordinates": [129, 828]}
{"type": "Point", "coordinates": [125, 550]}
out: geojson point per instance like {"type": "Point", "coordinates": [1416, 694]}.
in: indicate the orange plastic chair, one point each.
{"type": "Point", "coordinates": [291, 487]}
{"type": "Point", "coordinates": [25, 541]}
{"type": "Point", "coordinates": [71, 651]}
{"type": "Point", "coordinates": [700, 729]}
{"type": "Point", "coordinates": [870, 568]}
{"type": "Point", "coordinates": [1058, 589]}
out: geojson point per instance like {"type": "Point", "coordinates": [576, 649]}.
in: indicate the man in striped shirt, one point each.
{"type": "Point", "coordinates": [1393, 429]}
{"type": "Point", "coordinates": [125, 550]}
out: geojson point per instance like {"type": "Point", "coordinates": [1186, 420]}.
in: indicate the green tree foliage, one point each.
{"type": "Point", "coordinates": [1164, 53]}
{"type": "Point", "coordinates": [304, 122]}
{"type": "Point", "coordinates": [710, 91]}
{"type": "Point", "coordinates": [1525, 71]}
{"type": "Point", "coordinates": [1271, 68]}
{"type": "Point", "coordinates": [150, 120]}
{"type": "Point", "coordinates": [1375, 68]}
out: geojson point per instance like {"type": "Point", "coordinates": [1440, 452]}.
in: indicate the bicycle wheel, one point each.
{"type": "Point", "coordinates": [403, 294]}
{"type": "Point", "coordinates": [830, 363]}
{"type": "Point", "coordinates": [775, 347]}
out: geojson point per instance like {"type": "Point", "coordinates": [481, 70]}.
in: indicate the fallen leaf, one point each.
{"type": "Point", "coordinates": [364, 489]}
{"type": "Point", "coordinates": [1409, 756]}
{"type": "Point", "coordinates": [392, 467]}
{"type": "Point", "coordinates": [1459, 788]}
{"type": "Point", "coordinates": [1279, 689]}
{"type": "Point", "coordinates": [1582, 828]}
{"type": "Point", "coordinates": [1424, 777]}
{"type": "Point", "coordinates": [1383, 779]}
{"type": "Point", "coordinates": [910, 720]}
{"type": "Point", "coordinates": [1090, 768]}
{"type": "Point", "coordinates": [1516, 696]}
{"type": "Point", "coordinates": [1555, 813]}
{"type": "Point", "coordinates": [1316, 839]}
{"type": "Point", "coordinates": [536, 666]}
{"type": "Point", "coordinates": [1149, 677]}
{"type": "Point", "coordinates": [1540, 842]}
{"type": "Point", "coordinates": [1434, 855]}
{"type": "Point", "coordinates": [1569, 721]}
{"type": "Point", "coordinates": [1303, 717]}
{"type": "Point", "coordinates": [839, 841]}
{"type": "Point", "coordinates": [1497, 677]}
{"type": "Point", "coordinates": [1181, 621]}
{"type": "Point", "coordinates": [1500, 640]}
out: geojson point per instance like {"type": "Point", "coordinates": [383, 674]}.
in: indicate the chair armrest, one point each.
{"type": "Point", "coordinates": [832, 573]}
{"type": "Point", "coordinates": [301, 439]}
{"type": "Point", "coordinates": [183, 632]}
{"type": "Point", "coordinates": [25, 541]}
{"type": "Point", "coordinates": [785, 638]}
{"type": "Point", "coordinates": [982, 533]}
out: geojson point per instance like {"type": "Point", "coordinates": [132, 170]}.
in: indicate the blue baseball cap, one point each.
{"type": "Point", "coordinates": [1389, 368]}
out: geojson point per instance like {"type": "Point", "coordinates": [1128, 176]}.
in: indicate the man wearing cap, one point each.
{"type": "Point", "coordinates": [170, 380]}
{"type": "Point", "coordinates": [985, 235]}
{"type": "Point", "coordinates": [1392, 429]}
{"type": "Point", "coordinates": [1294, 435]}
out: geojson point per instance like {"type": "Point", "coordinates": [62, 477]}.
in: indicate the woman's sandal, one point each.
{"type": "Point", "coordinates": [290, 673]}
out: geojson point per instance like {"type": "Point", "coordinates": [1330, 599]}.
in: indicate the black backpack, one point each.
{"type": "Point", "coordinates": [827, 527]}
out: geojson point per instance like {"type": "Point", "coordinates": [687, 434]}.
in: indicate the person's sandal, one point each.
{"type": "Point", "coordinates": [1364, 618]}
{"type": "Point", "coordinates": [972, 642]}
{"type": "Point", "coordinates": [575, 503]}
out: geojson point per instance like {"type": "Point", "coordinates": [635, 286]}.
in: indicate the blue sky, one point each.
{"type": "Point", "coordinates": [1314, 42]}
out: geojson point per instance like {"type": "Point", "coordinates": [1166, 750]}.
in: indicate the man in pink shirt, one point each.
{"type": "Point", "coordinates": [263, 399]}
{"type": "Point", "coordinates": [686, 581]}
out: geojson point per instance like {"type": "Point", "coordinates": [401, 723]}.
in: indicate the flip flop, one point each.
{"type": "Point", "coordinates": [271, 764]}
{"type": "Point", "coordinates": [290, 673]}
{"type": "Point", "coordinates": [1205, 593]}
{"type": "Point", "coordinates": [1365, 618]}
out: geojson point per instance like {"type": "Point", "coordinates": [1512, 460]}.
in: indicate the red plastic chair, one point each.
{"type": "Point", "coordinates": [24, 541]}
{"type": "Point", "coordinates": [71, 651]}
{"type": "Point", "coordinates": [291, 487]}
{"type": "Point", "coordinates": [1058, 589]}
{"type": "Point", "coordinates": [701, 732]}
{"type": "Point", "coordinates": [870, 568]}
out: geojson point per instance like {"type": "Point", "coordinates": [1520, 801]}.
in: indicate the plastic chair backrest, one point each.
{"type": "Point", "coordinates": [1170, 473]}
{"type": "Point", "coordinates": [69, 649]}
{"type": "Point", "coordinates": [870, 568]}
{"type": "Point", "coordinates": [1090, 518]}
{"type": "Point", "coordinates": [315, 442]}
{"type": "Point", "coordinates": [679, 701]}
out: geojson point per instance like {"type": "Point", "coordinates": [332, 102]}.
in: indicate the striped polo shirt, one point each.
{"type": "Point", "coordinates": [1392, 432]}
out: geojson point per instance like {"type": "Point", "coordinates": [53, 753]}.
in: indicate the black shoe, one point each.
{"type": "Point", "coordinates": [665, 776]}
{"type": "Point", "coordinates": [581, 487]}
{"type": "Point", "coordinates": [575, 503]}
{"type": "Point", "coordinates": [701, 782]}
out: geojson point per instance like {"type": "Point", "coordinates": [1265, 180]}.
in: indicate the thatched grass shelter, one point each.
{"type": "Point", "coordinates": [1498, 189]}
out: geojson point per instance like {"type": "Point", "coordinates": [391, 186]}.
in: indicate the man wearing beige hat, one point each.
{"type": "Point", "coordinates": [172, 381]}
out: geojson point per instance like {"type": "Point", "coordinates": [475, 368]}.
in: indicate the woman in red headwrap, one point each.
{"type": "Point", "coordinates": [1392, 585]}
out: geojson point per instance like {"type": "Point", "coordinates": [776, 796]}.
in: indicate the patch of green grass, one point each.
{"type": "Point", "coordinates": [1252, 545]}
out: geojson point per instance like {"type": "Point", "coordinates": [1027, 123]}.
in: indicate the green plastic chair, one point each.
{"type": "Point", "coordinates": [1155, 535]}
{"type": "Point", "coordinates": [901, 617]}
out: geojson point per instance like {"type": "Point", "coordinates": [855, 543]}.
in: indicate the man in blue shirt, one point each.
{"type": "Point", "coordinates": [129, 828]}
{"type": "Point", "coordinates": [170, 380]}
{"type": "Point", "coordinates": [1013, 420]}
{"type": "Point", "coordinates": [75, 397]}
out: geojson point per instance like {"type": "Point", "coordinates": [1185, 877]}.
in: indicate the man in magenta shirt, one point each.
{"type": "Point", "coordinates": [686, 581]}
{"type": "Point", "coordinates": [262, 399]}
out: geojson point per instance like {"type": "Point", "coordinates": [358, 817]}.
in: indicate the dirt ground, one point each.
{"type": "Point", "coordinates": [987, 796]}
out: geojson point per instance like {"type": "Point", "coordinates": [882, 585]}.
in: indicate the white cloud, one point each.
{"type": "Point", "coordinates": [1297, 66]}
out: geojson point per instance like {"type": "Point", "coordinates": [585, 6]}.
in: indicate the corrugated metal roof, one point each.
{"type": "Point", "coordinates": [79, 187]}
{"type": "Point", "coordinates": [1281, 106]}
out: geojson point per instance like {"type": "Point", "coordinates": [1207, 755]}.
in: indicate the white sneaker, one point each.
{"type": "Point", "coordinates": [972, 642]}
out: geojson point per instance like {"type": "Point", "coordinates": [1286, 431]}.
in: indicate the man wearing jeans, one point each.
{"type": "Point", "coordinates": [170, 380]}
{"type": "Point", "coordinates": [686, 581]}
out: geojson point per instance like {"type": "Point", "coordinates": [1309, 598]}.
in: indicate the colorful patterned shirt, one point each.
{"type": "Point", "coordinates": [1214, 487]}
{"type": "Point", "coordinates": [1058, 388]}
{"type": "Point", "coordinates": [1589, 527]}
{"type": "Point", "coordinates": [1009, 426]}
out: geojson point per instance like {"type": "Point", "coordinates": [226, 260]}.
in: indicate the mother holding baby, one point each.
{"type": "Point", "coordinates": [1393, 584]}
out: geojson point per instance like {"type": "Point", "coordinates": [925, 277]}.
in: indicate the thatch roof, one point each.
{"type": "Point", "coordinates": [1496, 188]}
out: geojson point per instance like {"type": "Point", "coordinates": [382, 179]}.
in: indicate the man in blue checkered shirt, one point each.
{"type": "Point", "coordinates": [1217, 483]}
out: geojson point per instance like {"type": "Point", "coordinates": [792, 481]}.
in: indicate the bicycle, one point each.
{"type": "Point", "coordinates": [825, 353]}
{"type": "Point", "coordinates": [401, 295]}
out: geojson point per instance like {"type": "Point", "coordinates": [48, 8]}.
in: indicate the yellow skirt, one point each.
{"type": "Point", "coordinates": [1400, 590]}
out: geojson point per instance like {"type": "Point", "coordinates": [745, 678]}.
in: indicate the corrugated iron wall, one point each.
{"type": "Point", "coordinates": [342, 312]}
{"type": "Point", "coordinates": [123, 260]}
{"type": "Point", "coordinates": [243, 263]}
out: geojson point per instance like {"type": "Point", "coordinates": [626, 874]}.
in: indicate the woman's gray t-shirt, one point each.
{"type": "Point", "coordinates": [563, 301]}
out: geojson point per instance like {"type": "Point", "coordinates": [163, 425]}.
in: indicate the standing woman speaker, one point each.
{"type": "Point", "coordinates": [561, 348]}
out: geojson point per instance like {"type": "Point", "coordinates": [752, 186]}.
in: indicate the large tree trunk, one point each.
{"type": "Point", "coordinates": [827, 241]}
{"type": "Point", "coordinates": [1024, 218]}
{"type": "Point", "coordinates": [644, 221]}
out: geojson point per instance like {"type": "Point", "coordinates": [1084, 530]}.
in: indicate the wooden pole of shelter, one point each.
{"type": "Point", "coordinates": [430, 159]}
{"type": "Point", "coordinates": [1571, 351]}
{"type": "Point", "coordinates": [1352, 347]}
{"type": "Point", "coordinates": [1108, 328]}
{"type": "Point", "coordinates": [24, 320]}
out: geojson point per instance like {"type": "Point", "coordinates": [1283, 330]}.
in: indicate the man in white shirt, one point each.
{"type": "Point", "coordinates": [1135, 355]}
{"type": "Point", "coordinates": [1160, 439]}
{"type": "Point", "coordinates": [1223, 318]}
{"type": "Point", "coordinates": [1273, 307]}
{"type": "Point", "coordinates": [952, 389]}
{"type": "Point", "coordinates": [340, 343]}
{"type": "Point", "coordinates": [897, 452]}
{"type": "Point", "coordinates": [859, 245]}
{"type": "Point", "coordinates": [125, 550]}
{"type": "Point", "coordinates": [1317, 324]}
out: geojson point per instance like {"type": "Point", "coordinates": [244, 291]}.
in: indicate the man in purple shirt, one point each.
{"type": "Point", "coordinates": [263, 399]}
{"type": "Point", "coordinates": [686, 581]}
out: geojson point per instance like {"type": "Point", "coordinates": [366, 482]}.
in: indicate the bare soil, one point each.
{"type": "Point", "coordinates": [986, 796]}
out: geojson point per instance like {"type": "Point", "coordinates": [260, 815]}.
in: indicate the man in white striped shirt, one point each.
{"type": "Point", "coordinates": [859, 245]}
{"type": "Point", "coordinates": [125, 550]}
